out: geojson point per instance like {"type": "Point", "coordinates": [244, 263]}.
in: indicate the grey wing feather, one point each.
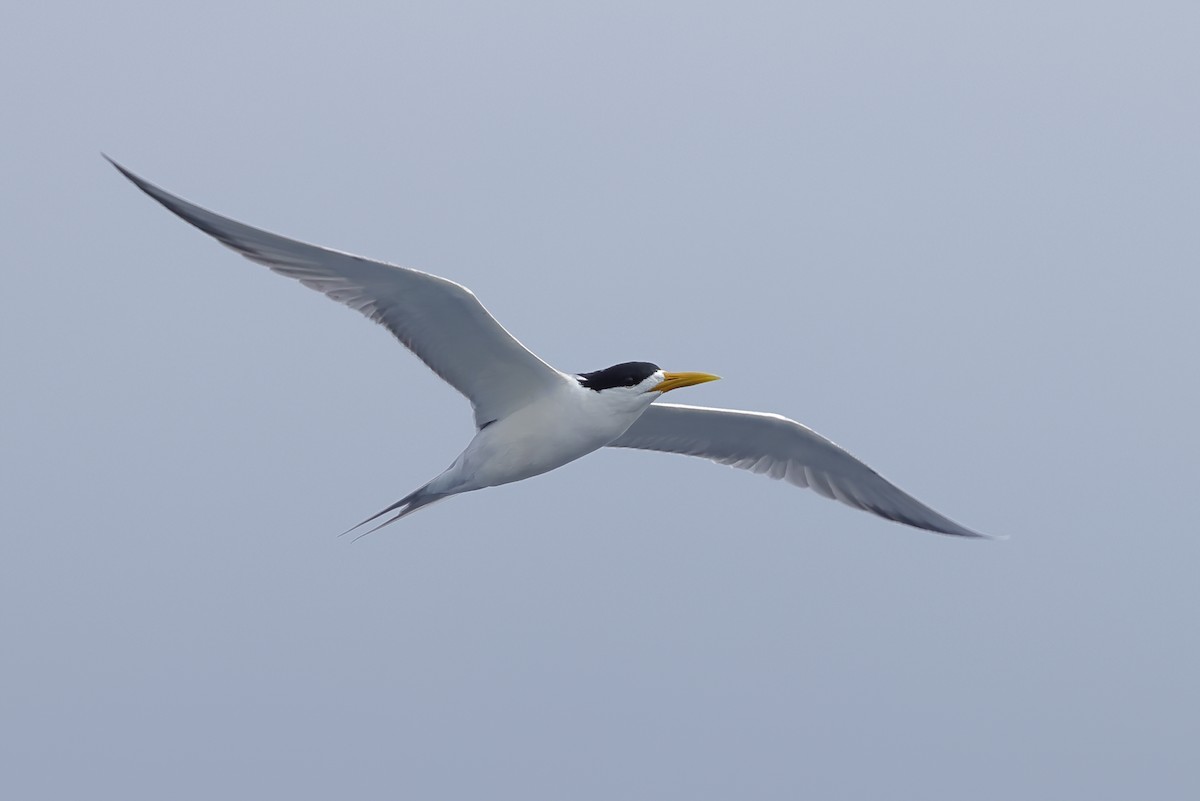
{"type": "Point", "coordinates": [441, 322]}
{"type": "Point", "coordinates": [780, 448]}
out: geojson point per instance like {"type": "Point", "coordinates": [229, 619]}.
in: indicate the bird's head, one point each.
{"type": "Point", "coordinates": [639, 379]}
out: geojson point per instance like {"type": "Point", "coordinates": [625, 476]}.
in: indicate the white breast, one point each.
{"type": "Point", "coordinates": [557, 428]}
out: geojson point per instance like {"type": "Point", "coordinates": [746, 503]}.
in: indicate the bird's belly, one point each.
{"type": "Point", "coordinates": [536, 440]}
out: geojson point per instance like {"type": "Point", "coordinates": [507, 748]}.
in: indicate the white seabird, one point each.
{"type": "Point", "coordinates": [531, 418]}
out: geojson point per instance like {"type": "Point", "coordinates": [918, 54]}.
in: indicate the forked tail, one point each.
{"type": "Point", "coordinates": [407, 505]}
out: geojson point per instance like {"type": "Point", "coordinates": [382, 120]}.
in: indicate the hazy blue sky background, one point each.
{"type": "Point", "coordinates": [958, 238]}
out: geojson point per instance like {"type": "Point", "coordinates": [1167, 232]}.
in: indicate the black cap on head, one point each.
{"type": "Point", "coordinates": [628, 374]}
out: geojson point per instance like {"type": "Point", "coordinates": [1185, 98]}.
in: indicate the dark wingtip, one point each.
{"type": "Point", "coordinates": [113, 162]}
{"type": "Point", "coordinates": [141, 184]}
{"type": "Point", "coordinates": [967, 533]}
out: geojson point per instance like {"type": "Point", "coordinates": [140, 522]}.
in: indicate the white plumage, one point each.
{"type": "Point", "coordinates": [531, 418]}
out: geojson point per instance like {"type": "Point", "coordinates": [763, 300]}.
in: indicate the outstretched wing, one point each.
{"type": "Point", "coordinates": [441, 322]}
{"type": "Point", "coordinates": [780, 448]}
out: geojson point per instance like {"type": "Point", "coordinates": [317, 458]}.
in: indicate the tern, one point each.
{"type": "Point", "coordinates": [531, 418]}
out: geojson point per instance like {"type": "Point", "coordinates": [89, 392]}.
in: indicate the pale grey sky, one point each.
{"type": "Point", "coordinates": [959, 239]}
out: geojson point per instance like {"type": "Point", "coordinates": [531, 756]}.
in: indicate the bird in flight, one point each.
{"type": "Point", "coordinates": [531, 418]}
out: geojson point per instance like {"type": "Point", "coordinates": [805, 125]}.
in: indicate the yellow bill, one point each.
{"type": "Point", "coordinates": [676, 380]}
